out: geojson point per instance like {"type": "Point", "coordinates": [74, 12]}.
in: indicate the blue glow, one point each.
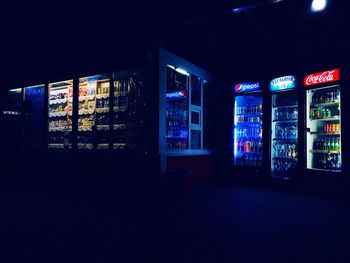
{"type": "Point", "coordinates": [247, 87]}
{"type": "Point", "coordinates": [176, 95]}
{"type": "Point", "coordinates": [282, 83]}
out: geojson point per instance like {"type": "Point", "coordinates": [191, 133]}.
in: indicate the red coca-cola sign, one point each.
{"type": "Point", "coordinates": [322, 77]}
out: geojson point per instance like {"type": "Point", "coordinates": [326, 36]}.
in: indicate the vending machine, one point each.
{"type": "Point", "coordinates": [323, 121]}
{"type": "Point", "coordinates": [248, 125]}
{"type": "Point", "coordinates": [284, 127]}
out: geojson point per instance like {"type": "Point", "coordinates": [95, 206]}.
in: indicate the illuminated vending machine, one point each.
{"type": "Point", "coordinates": [323, 121]}
{"type": "Point", "coordinates": [284, 127]}
{"type": "Point", "coordinates": [247, 128]}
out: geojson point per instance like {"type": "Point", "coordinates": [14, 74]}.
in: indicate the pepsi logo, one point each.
{"type": "Point", "coordinates": [238, 87]}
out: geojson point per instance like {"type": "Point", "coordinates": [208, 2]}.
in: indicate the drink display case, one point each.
{"type": "Point", "coordinates": [156, 109]}
{"type": "Point", "coordinates": [60, 113]}
{"type": "Point", "coordinates": [93, 113]}
{"type": "Point", "coordinates": [10, 119]}
{"type": "Point", "coordinates": [284, 128]}
{"type": "Point", "coordinates": [323, 122]}
{"type": "Point", "coordinates": [177, 101]}
{"type": "Point", "coordinates": [184, 126]}
{"type": "Point", "coordinates": [248, 125]}
{"type": "Point", "coordinates": [248, 131]}
{"type": "Point", "coordinates": [34, 128]}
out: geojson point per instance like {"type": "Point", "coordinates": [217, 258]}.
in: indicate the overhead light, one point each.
{"type": "Point", "coordinates": [318, 5]}
{"type": "Point", "coordinates": [19, 90]}
{"type": "Point", "coordinates": [170, 66]}
{"type": "Point", "coordinates": [237, 10]}
{"type": "Point", "coordinates": [182, 71]}
{"type": "Point", "coordinates": [254, 6]}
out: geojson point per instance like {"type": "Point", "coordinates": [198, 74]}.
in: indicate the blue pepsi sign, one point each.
{"type": "Point", "coordinates": [282, 83]}
{"type": "Point", "coordinates": [176, 95]}
{"type": "Point", "coordinates": [247, 87]}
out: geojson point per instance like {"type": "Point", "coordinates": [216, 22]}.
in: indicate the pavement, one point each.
{"type": "Point", "coordinates": [217, 224]}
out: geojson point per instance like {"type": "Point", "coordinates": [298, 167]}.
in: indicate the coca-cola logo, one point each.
{"type": "Point", "coordinates": [322, 77]}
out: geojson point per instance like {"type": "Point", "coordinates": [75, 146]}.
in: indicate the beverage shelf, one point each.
{"type": "Point", "coordinates": [334, 118]}
{"type": "Point", "coordinates": [294, 120]}
{"type": "Point", "coordinates": [249, 114]}
{"type": "Point", "coordinates": [243, 152]}
{"type": "Point", "coordinates": [87, 97]}
{"type": "Point", "coordinates": [328, 170]}
{"type": "Point", "coordinates": [102, 96]}
{"type": "Point", "coordinates": [324, 151]}
{"type": "Point", "coordinates": [249, 137]}
{"type": "Point", "coordinates": [285, 158]}
{"type": "Point", "coordinates": [324, 134]}
{"type": "Point", "coordinates": [326, 103]}
{"type": "Point", "coordinates": [58, 101]}
{"type": "Point", "coordinates": [248, 123]}
{"type": "Point", "coordinates": [285, 139]}
{"type": "Point", "coordinates": [287, 106]}
{"type": "Point", "coordinates": [176, 138]}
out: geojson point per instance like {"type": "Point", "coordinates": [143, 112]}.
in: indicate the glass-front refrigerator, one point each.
{"type": "Point", "coordinates": [323, 121]}
{"type": "Point", "coordinates": [177, 112]}
{"type": "Point", "coordinates": [93, 113]}
{"type": "Point", "coordinates": [247, 128]}
{"type": "Point", "coordinates": [34, 118]}
{"type": "Point", "coordinates": [60, 115]}
{"type": "Point", "coordinates": [284, 127]}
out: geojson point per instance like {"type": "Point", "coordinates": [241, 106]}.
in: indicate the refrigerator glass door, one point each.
{"type": "Point", "coordinates": [284, 136]}
{"type": "Point", "coordinates": [60, 115]}
{"type": "Point", "coordinates": [34, 117]}
{"type": "Point", "coordinates": [93, 119]}
{"type": "Point", "coordinates": [323, 138]}
{"type": "Point", "coordinates": [247, 133]}
{"type": "Point", "coordinates": [177, 115]}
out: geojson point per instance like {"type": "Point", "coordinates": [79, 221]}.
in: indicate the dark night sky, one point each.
{"type": "Point", "coordinates": [58, 39]}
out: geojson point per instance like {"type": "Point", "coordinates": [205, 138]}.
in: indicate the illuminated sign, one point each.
{"type": "Point", "coordinates": [247, 87]}
{"type": "Point", "coordinates": [282, 83]}
{"type": "Point", "coordinates": [322, 77]}
{"type": "Point", "coordinates": [176, 95]}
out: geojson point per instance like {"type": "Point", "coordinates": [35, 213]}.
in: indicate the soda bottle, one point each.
{"type": "Point", "coordinates": [325, 129]}
{"type": "Point", "coordinates": [255, 160]}
{"type": "Point", "coordinates": [315, 144]}
{"type": "Point", "coordinates": [333, 145]}
{"type": "Point", "coordinates": [338, 146]}
{"type": "Point", "coordinates": [312, 112]}
{"type": "Point", "coordinates": [333, 128]}
{"type": "Point", "coordinates": [329, 145]}
{"type": "Point", "coordinates": [338, 95]}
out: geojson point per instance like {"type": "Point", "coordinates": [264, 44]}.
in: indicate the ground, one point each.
{"type": "Point", "coordinates": [217, 224]}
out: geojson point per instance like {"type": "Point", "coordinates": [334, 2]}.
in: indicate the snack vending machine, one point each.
{"type": "Point", "coordinates": [247, 128]}
{"type": "Point", "coordinates": [323, 121]}
{"type": "Point", "coordinates": [284, 127]}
